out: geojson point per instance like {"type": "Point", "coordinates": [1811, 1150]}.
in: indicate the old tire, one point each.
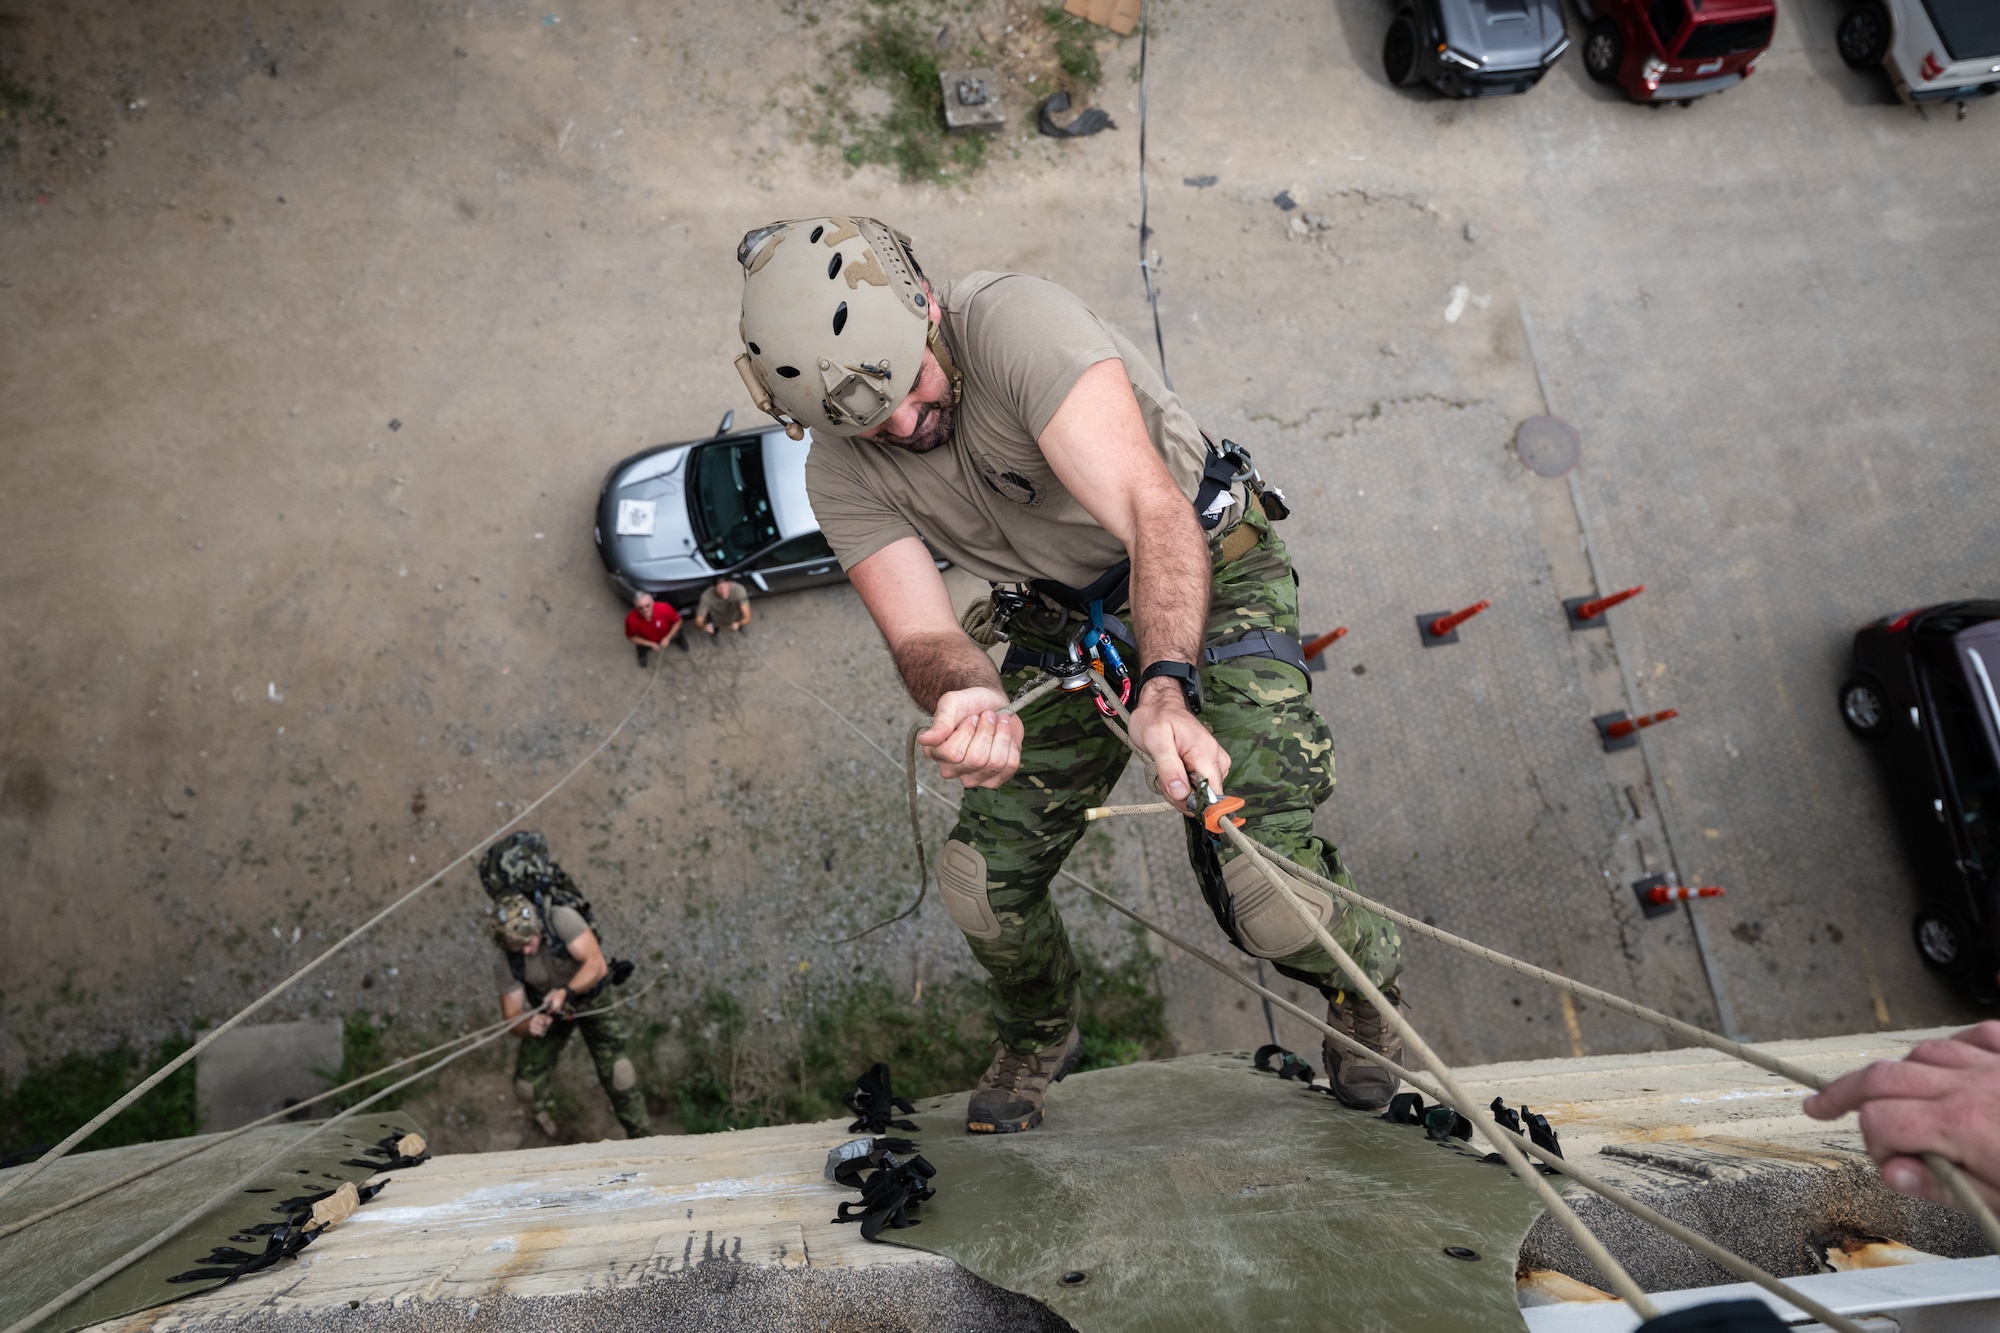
{"type": "Point", "coordinates": [1399, 51]}
{"type": "Point", "coordinates": [1863, 36]}
{"type": "Point", "coordinates": [1603, 51]}
{"type": "Point", "coordinates": [1863, 707]}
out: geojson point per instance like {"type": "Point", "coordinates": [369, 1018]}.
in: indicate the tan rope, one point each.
{"type": "Point", "coordinates": [1694, 1240]}
{"type": "Point", "coordinates": [173, 1229]}
{"type": "Point", "coordinates": [153, 1080]}
{"type": "Point", "coordinates": [214, 1141]}
{"type": "Point", "coordinates": [1943, 1168]}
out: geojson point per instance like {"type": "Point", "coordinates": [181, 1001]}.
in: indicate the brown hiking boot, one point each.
{"type": "Point", "coordinates": [1014, 1087]}
{"type": "Point", "coordinates": [1361, 1084]}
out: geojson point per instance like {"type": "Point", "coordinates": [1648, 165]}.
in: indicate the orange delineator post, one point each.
{"type": "Point", "coordinates": [1661, 894]}
{"type": "Point", "coordinates": [1591, 610]}
{"type": "Point", "coordinates": [1444, 625]}
{"type": "Point", "coordinates": [1314, 647]}
{"type": "Point", "coordinates": [1620, 730]}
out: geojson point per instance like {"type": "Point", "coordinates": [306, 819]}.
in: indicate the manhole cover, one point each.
{"type": "Point", "coordinates": [1549, 446]}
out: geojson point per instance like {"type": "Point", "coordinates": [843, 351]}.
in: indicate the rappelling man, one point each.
{"type": "Point", "coordinates": [554, 977]}
{"type": "Point", "coordinates": [1000, 424]}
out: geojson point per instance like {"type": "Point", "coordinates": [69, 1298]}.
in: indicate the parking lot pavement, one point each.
{"type": "Point", "coordinates": [1758, 312]}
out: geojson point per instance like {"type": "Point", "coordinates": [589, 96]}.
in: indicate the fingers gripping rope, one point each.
{"type": "Point", "coordinates": [1277, 869]}
{"type": "Point", "coordinates": [1015, 706]}
{"type": "Point", "coordinates": [153, 1080]}
{"type": "Point", "coordinates": [1942, 1168]}
{"type": "Point", "coordinates": [1694, 1240]}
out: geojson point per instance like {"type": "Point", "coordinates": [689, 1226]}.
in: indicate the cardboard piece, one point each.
{"type": "Point", "coordinates": [1121, 16]}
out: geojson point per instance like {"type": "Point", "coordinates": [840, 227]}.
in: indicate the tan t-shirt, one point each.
{"type": "Point", "coordinates": [987, 499]}
{"type": "Point", "coordinates": [723, 612]}
{"type": "Point", "coordinates": [542, 971]}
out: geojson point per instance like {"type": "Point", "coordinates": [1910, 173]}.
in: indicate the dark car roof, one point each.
{"type": "Point", "coordinates": [1969, 29]}
{"type": "Point", "coordinates": [1504, 33]}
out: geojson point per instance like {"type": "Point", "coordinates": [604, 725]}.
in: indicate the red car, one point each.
{"type": "Point", "coordinates": [1675, 50]}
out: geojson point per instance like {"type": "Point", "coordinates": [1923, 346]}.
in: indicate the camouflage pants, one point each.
{"type": "Point", "coordinates": [996, 868]}
{"type": "Point", "coordinates": [604, 1034]}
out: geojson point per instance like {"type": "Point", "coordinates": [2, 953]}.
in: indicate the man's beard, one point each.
{"type": "Point", "coordinates": [933, 428]}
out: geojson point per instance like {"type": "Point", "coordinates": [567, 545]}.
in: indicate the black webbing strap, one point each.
{"type": "Point", "coordinates": [1110, 590]}
{"type": "Point", "coordinates": [1217, 476]}
{"type": "Point", "coordinates": [1260, 643]}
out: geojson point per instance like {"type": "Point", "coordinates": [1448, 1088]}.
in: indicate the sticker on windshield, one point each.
{"type": "Point", "coordinates": [635, 518]}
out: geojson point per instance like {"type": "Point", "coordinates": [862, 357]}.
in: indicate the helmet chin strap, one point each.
{"type": "Point", "coordinates": [934, 340]}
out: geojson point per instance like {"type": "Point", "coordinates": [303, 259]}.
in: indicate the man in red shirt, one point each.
{"type": "Point", "coordinates": [650, 624]}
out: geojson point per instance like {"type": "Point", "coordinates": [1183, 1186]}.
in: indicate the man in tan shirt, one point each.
{"type": "Point", "coordinates": [1002, 425]}
{"type": "Point", "coordinates": [724, 606]}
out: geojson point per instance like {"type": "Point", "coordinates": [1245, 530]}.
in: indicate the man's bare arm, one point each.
{"type": "Point", "coordinates": [947, 674]}
{"type": "Point", "coordinates": [1097, 445]}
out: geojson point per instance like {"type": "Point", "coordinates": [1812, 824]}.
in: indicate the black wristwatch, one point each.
{"type": "Point", "coordinates": [1187, 676]}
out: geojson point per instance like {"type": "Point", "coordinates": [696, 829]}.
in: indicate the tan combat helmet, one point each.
{"type": "Point", "coordinates": [836, 322]}
{"type": "Point", "coordinates": [514, 922]}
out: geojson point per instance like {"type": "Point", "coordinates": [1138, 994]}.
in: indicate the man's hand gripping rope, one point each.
{"type": "Point", "coordinates": [986, 724]}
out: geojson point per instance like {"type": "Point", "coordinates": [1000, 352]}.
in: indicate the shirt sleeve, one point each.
{"type": "Point", "coordinates": [855, 521]}
{"type": "Point", "coordinates": [568, 923]}
{"type": "Point", "coordinates": [1034, 342]}
{"type": "Point", "coordinates": [503, 974]}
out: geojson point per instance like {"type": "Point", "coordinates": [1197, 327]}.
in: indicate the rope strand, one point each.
{"type": "Point", "coordinates": [153, 1080]}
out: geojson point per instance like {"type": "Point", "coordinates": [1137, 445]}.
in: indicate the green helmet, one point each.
{"type": "Point", "coordinates": [835, 321]}
{"type": "Point", "coordinates": [514, 921]}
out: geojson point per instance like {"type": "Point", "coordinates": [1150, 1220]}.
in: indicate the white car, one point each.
{"type": "Point", "coordinates": [674, 518]}
{"type": "Point", "coordinates": [1934, 50]}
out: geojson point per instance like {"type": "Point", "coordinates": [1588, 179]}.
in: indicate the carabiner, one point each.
{"type": "Point", "coordinates": [1105, 660]}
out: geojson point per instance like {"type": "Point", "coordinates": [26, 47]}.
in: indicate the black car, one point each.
{"type": "Point", "coordinates": [1474, 48]}
{"type": "Point", "coordinates": [1923, 693]}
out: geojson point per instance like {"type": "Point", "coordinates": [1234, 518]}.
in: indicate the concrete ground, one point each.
{"type": "Point", "coordinates": [323, 322]}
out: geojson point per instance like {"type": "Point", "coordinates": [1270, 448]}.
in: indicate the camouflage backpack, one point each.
{"type": "Point", "coordinates": [520, 864]}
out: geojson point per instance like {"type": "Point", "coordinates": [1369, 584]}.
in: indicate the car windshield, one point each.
{"type": "Point", "coordinates": [1970, 757]}
{"type": "Point", "coordinates": [731, 506]}
{"type": "Point", "coordinates": [1727, 39]}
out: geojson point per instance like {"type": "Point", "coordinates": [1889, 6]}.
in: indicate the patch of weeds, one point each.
{"type": "Point", "coordinates": [791, 1063]}
{"type": "Point", "coordinates": [1076, 48]}
{"type": "Point", "coordinates": [53, 1098]}
{"type": "Point", "coordinates": [910, 136]}
{"type": "Point", "coordinates": [362, 1049]}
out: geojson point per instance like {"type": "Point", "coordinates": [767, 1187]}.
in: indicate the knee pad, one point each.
{"type": "Point", "coordinates": [961, 877]}
{"type": "Point", "coordinates": [623, 1075]}
{"type": "Point", "coordinates": [1266, 925]}
{"type": "Point", "coordinates": [524, 1090]}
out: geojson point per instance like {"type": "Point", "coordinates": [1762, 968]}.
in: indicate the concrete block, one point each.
{"type": "Point", "coordinates": [255, 1070]}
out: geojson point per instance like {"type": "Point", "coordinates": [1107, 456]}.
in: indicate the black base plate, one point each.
{"type": "Point", "coordinates": [1612, 743]}
{"type": "Point", "coordinates": [1434, 640]}
{"type": "Point", "coordinates": [1652, 909]}
{"type": "Point", "coordinates": [1570, 604]}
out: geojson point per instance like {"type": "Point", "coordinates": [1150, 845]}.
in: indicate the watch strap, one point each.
{"type": "Point", "coordinates": [1187, 676]}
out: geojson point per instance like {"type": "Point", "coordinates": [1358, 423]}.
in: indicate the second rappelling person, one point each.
{"type": "Point", "coordinates": [1003, 424]}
